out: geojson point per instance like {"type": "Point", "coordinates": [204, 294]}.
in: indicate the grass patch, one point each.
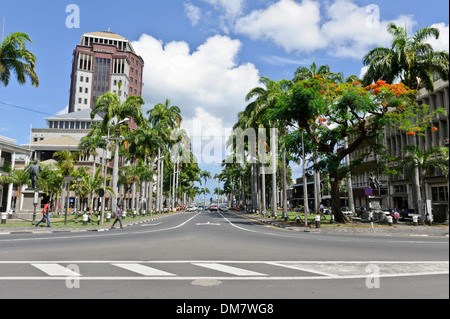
{"type": "Point", "coordinates": [58, 221]}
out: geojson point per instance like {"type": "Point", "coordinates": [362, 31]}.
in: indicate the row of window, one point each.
{"type": "Point", "coordinates": [72, 125]}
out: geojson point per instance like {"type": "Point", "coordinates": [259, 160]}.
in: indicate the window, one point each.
{"type": "Point", "coordinates": [85, 101]}
{"type": "Point", "coordinates": [101, 77]}
{"type": "Point", "coordinates": [81, 78]}
{"type": "Point", "coordinates": [86, 90]}
{"type": "Point", "coordinates": [83, 125]}
{"type": "Point", "coordinates": [87, 79]}
{"type": "Point", "coordinates": [81, 89]}
{"type": "Point", "coordinates": [439, 194]}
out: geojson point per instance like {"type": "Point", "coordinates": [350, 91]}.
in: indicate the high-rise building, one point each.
{"type": "Point", "coordinates": [101, 62]}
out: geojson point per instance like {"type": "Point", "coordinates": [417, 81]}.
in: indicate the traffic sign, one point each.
{"type": "Point", "coordinates": [368, 191]}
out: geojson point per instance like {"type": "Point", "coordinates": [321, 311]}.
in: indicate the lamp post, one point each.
{"type": "Point", "coordinates": [116, 162]}
{"type": "Point", "coordinates": [115, 166]}
{"type": "Point", "coordinates": [77, 199]}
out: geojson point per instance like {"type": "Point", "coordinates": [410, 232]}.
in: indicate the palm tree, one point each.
{"type": "Point", "coordinates": [426, 163]}
{"type": "Point", "coordinates": [110, 107]}
{"type": "Point", "coordinates": [303, 73]}
{"type": "Point", "coordinates": [163, 118]}
{"type": "Point", "coordinates": [255, 116]}
{"type": "Point", "coordinates": [91, 184]}
{"type": "Point", "coordinates": [409, 59]}
{"type": "Point", "coordinates": [89, 145]}
{"type": "Point", "coordinates": [66, 161]}
{"type": "Point", "coordinates": [113, 113]}
{"type": "Point", "coordinates": [14, 57]}
{"type": "Point", "coordinates": [205, 175]}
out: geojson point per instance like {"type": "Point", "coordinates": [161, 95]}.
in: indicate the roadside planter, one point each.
{"type": "Point", "coordinates": [85, 219]}
{"type": "Point", "coordinates": [390, 220]}
{"type": "Point", "coordinates": [317, 219]}
{"type": "Point", "coordinates": [4, 216]}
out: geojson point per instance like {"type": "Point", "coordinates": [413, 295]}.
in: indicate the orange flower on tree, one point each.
{"type": "Point", "coordinates": [411, 133]}
{"type": "Point", "coordinates": [435, 129]}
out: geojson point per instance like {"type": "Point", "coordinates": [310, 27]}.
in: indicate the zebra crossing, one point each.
{"type": "Point", "coordinates": [213, 270]}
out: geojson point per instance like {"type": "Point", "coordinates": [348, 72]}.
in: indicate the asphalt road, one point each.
{"type": "Point", "coordinates": [214, 255]}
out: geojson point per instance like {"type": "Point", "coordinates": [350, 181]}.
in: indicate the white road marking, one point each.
{"type": "Point", "coordinates": [148, 225]}
{"type": "Point", "coordinates": [228, 269]}
{"type": "Point", "coordinates": [143, 270]}
{"type": "Point", "coordinates": [311, 270]}
{"type": "Point", "coordinates": [56, 270]}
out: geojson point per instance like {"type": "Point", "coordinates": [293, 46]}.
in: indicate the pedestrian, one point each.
{"type": "Point", "coordinates": [45, 215]}
{"type": "Point", "coordinates": [118, 214]}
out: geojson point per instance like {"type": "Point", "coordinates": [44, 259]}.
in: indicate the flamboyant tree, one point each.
{"type": "Point", "coordinates": [329, 113]}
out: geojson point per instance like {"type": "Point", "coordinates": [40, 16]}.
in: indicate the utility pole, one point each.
{"type": "Point", "coordinates": [305, 184]}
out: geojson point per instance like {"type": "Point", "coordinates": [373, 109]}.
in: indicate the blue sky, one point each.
{"type": "Point", "coordinates": [204, 55]}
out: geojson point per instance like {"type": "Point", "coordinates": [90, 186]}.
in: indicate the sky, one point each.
{"type": "Point", "coordinates": [203, 55]}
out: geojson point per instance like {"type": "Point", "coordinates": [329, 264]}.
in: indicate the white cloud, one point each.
{"type": "Point", "coordinates": [352, 30]}
{"type": "Point", "coordinates": [193, 13]}
{"type": "Point", "coordinates": [442, 44]}
{"type": "Point", "coordinates": [232, 10]}
{"type": "Point", "coordinates": [63, 111]}
{"type": "Point", "coordinates": [341, 27]}
{"type": "Point", "coordinates": [282, 61]}
{"type": "Point", "coordinates": [291, 25]}
{"type": "Point", "coordinates": [207, 81]}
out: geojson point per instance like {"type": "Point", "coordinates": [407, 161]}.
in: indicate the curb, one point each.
{"type": "Point", "coordinates": [79, 230]}
{"type": "Point", "coordinates": [337, 231]}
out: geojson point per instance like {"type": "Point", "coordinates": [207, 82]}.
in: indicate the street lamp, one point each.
{"type": "Point", "coordinates": [115, 167]}
{"type": "Point", "coordinates": [77, 200]}
{"type": "Point", "coordinates": [116, 162]}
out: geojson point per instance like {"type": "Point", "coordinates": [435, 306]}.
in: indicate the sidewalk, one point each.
{"type": "Point", "coordinates": [129, 221]}
{"type": "Point", "coordinates": [400, 229]}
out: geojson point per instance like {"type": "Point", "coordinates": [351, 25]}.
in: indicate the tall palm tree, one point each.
{"type": "Point", "coordinates": [409, 59]}
{"type": "Point", "coordinates": [205, 175]}
{"type": "Point", "coordinates": [15, 58]}
{"type": "Point", "coordinates": [165, 114]}
{"type": "Point", "coordinates": [110, 107]}
{"type": "Point", "coordinates": [255, 114]}
{"type": "Point", "coordinates": [164, 118]}
{"type": "Point", "coordinates": [113, 113]}
{"type": "Point", "coordinates": [304, 73]}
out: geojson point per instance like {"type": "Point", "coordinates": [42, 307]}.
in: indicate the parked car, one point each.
{"type": "Point", "coordinates": [346, 210]}
{"type": "Point", "coordinates": [360, 211]}
{"type": "Point", "coordinates": [405, 213]}
{"type": "Point", "coordinates": [213, 208]}
{"type": "Point", "coordinates": [191, 209]}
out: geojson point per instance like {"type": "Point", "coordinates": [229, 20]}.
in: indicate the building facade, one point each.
{"type": "Point", "coordinates": [396, 190]}
{"type": "Point", "coordinates": [10, 154]}
{"type": "Point", "coordinates": [104, 62]}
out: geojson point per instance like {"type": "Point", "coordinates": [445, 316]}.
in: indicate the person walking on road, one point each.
{"type": "Point", "coordinates": [45, 215]}
{"type": "Point", "coordinates": [118, 214]}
